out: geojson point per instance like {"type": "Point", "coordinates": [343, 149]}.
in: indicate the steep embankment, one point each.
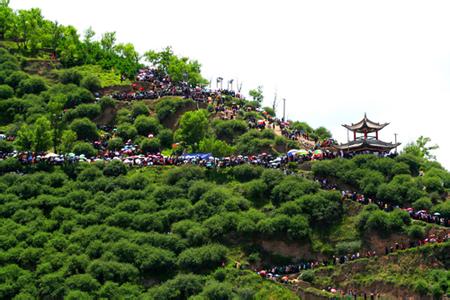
{"type": "Point", "coordinates": [407, 273]}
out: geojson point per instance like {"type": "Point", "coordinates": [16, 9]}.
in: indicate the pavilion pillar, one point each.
{"type": "Point", "coordinates": [376, 134]}
{"type": "Point", "coordinates": [365, 135]}
{"type": "Point", "coordinates": [354, 135]}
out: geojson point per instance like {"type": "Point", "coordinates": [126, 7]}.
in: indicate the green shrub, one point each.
{"type": "Point", "coordinates": [91, 83]}
{"type": "Point", "coordinates": [126, 131]}
{"type": "Point", "coordinates": [139, 108]}
{"type": "Point", "coordinates": [416, 232]}
{"type": "Point", "coordinates": [203, 258]}
{"type": "Point", "coordinates": [348, 247]}
{"type": "Point", "coordinates": [70, 76]}
{"type": "Point", "coordinates": [6, 91]}
{"type": "Point", "coordinates": [32, 85]}
{"type": "Point", "coordinates": [106, 102]}
{"type": "Point", "coordinates": [15, 78]}
{"type": "Point", "coordinates": [84, 148]}
{"type": "Point", "coordinates": [146, 125]}
{"type": "Point", "coordinates": [115, 168]}
{"type": "Point", "coordinates": [115, 144]}
{"type": "Point", "coordinates": [152, 145]}
{"type": "Point", "coordinates": [422, 203]}
{"type": "Point", "coordinates": [165, 136]}
{"type": "Point", "coordinates": [308, 276]}
{"type": "Point", "coordinates": [85, 129]}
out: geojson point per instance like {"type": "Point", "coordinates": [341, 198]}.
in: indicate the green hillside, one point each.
{"type": "Point", "coordinates": [120, 180]}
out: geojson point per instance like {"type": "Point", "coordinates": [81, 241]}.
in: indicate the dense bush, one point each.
{"type": "Point", "coordinates": [85, 129]}
{"type": "Point", "coordinates": [146, 125]}
{"type": "Point", "coordinates": [84, 148]}
{"type": "Point", "coordinates": [70, 76]}
{"type": "Point", "coordinates": [91, 83]}
{"type": "Point", "coordinates": [203, 258]}
{"type": "Point", "coordinates": [6, 91]}
{"type": "Point", "coordinates": [33, 85]}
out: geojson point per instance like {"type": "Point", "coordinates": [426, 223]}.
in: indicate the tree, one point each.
{"type": "Point", "coordinates": [6, 91]}
{"type": "Point", "coordinates": [91, 83]}
{"type": "Point", "coordinates": [257, 94]}
{"type": "Point", "coordinates": [421, 149]}
{"type": "Point", "coordinates": [218, 148]}
{"type": "Point", "coordinates": [70, 76]}
{"type": "Point", "coordinates": [42, 135]}
{"type": "Point", "coordinates": [85, 129]}
{"type": "Point", "coordinates": [115, 144]}
{"type": "Point", "coordinates": [32, 85]}
{"type": "Point", "coordinates": [165, 137]}
{"type": "Point", "coordinates": [152, 145]}
{"type": "Point", "coordinates": [126, 131]}
{"type": "Point", "coordinates": [202, 258]}
{"type": "Point", "coordinates": [24, 138]}
{"type": "Point", "coordinates": [115, 168]}
{"type": "Point", "coordinates": [139, 108]}
{"type": "Point", "coordinates": [322, 133]}
{"type": "Point", "coordinates": [178, 68]}
{"type": "Point", "coordinates": [84, 148]}
{"type": "Point", "coordinates": [193, 127]}
{"type": "Point", "coordinates": [68, 139]}
{"type": "Point", "coordinates": [146, 125]}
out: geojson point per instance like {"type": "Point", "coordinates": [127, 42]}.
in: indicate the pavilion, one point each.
{"type": "Point", "coordinates": [368, 140]}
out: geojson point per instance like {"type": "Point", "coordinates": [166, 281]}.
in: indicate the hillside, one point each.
{"type": "Point", "coordinates": [125, 181]}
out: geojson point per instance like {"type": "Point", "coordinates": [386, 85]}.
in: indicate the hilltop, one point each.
{"type": "Point", "coordinates": [121, 180]}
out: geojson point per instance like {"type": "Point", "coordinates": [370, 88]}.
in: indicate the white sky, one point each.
{"type": "Point", "coordinates": [332, 60]}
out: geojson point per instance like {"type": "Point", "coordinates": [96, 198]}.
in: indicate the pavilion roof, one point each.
{"type": "Point", "coordinates": [365, 125]}
{"type": "Point", "coordinates": [368, 144]}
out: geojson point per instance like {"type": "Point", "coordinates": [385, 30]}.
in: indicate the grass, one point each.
{"type": "Point", "coordinates": [107, 78]}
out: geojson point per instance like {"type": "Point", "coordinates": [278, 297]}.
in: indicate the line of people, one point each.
{"type": "Point", "coordinates": [421, 215]}
{"type": "Point", "coordinates": [284, 273]}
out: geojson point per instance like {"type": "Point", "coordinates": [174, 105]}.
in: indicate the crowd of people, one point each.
{"type": "Point", "coordinates": [292, 273]}
{"type": "Point", "coordinates": [151, 83]}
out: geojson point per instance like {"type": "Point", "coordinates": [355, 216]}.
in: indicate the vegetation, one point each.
{"type": "Point", "coordinates": [107, 230]}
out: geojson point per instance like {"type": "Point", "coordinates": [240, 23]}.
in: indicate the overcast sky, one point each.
{"type": "Point", "coordinates": [331, 60]}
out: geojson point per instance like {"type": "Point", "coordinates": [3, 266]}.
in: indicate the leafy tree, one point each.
{"type": "Point", "coordinates": [15, 78]}
{"type": "Point", "coordinates": [218, 148]}
{"type": "Point", "coordinates": [165, 137]}
{"type": "Point", "coordinates": [322, 133]}
{"type": "Point", "coordinates": [32, 85]}
{"type": "Point", "coordinates": [106, 102]}
{"type": "Point", "coordinates": [193, 127]}
{"type": "Point", "coordinates": [420, 148]}
{"type": "Point", "coordinates": [146, 125]}
{"type": "Point", "coordinates": [68, 140]}
{"type": "Point", "coordinates": [139, 108]}
{"type": "Point", "coordinates": [115, 144]}
{"type": "Point", "coordinates": [85, 129]}
{"type": "Point", "coordinates": [202, 258]}
{"type": "Point", "coordinates": [257, 94]}
{"type": "Point", "coordinates": [323, 208]}
{"type": "Point", "coordinates": [152, 145]}
{"type": "Point", "coordinates": [6, 91]}
{"type": "Point", "coordinates": [115, 168]}
{"type": "Point", "coordinates": [42, 135]}
{"type": "Point", "coordinates": [178, 68]}
{"type": "Point", "coordinates": [5, 146]}
{"type": "Point", "coordinates": [70, 76]}
{"type": "Point", "coordinates": [126, 131]}
{"type": "Point", "coordinates": [91, 83]}
{"type": "Point", "coordinates": [24, 138]}
{"type": "Point", "coordinates": [219, 291]}
{"type": "Point", "coordinates": [422, 203]}
{"type": "Point", "coordinates": [229, 130]}
{"type": "Point", "coordinates": [84, 148]}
